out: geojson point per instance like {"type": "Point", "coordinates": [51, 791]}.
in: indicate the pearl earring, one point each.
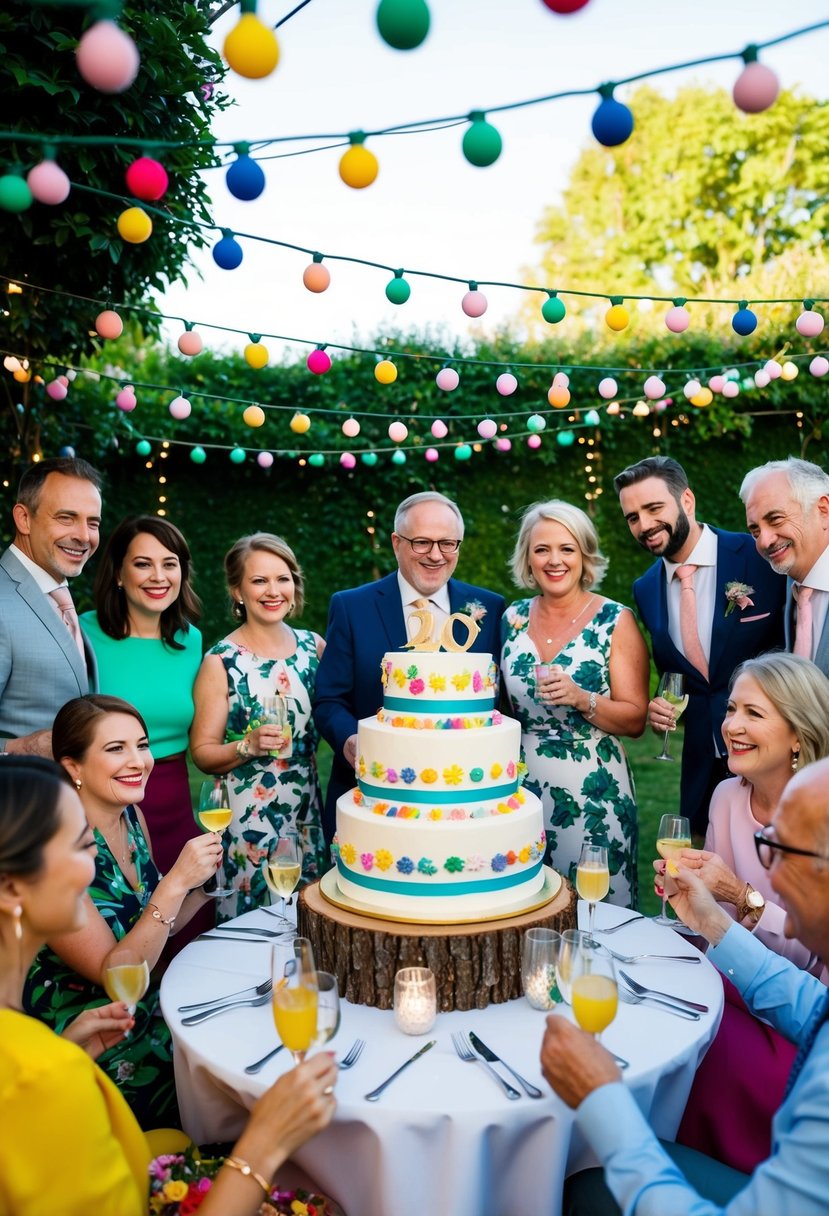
{"type": "Point", "coordinates": [78, 784]}
{"type": "Point", "coordinates": [795, 760]}
{"type": "Point", "coordinates": [18, 927]}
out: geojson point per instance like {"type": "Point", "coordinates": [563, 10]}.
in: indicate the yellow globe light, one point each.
{"type": "Point", "coordinates": [703, 397]}
{"type": "Point", "coordinates": [300, 423]}
{"type": "Point", "coordinates": [789, 371]}
{"type": "Point", "coordinates": [385, 372]}
{"type": "Point", "coordinates": [617, 317]}
{"type": "Point", "coordinates": [256, 355]}
{"type": "Point", "coordinates": [640, 410]}
{"type": "Point", "coordinates": [558, 396]}
{"type": "Point", "coordinates": [22, 375]}
{"type": "Point", "coordinates": [135, 226]}
{"type": "Point", "coordinates": [358, 166]}
{"type": "Point", "coordinates": [254, 415]}
{"type": "Point", "coordinates": [251, 47]}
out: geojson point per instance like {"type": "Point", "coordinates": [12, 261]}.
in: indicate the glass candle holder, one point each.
{"type": "Point", "coordinates": [415, 1000]}
{"type": "Point", "coordinates": [539, 955]}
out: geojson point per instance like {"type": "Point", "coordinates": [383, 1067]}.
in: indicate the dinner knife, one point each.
{"type": "Point", "coordinates": [375, 1093]}
{"type": "Point", "coordinates": [489, 1055]}
{"type": "Point", "coordinates": [228, 937]}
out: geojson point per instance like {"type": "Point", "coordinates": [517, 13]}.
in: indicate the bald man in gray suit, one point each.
{"type": "Point", "coordinates": [44, 661]}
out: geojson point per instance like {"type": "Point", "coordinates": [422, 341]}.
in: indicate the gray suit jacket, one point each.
{"type": "Point", "coordinates": [789, 621]}
{"type": "Point", "coordinates": [40, 668]}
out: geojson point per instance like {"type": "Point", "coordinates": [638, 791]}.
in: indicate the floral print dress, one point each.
{"type": "Point", "coordinates": [268, 795]}
{"type": "Point", "coordinates": [141, 1065]}
{"type": "Point", "coordinates": [580, 773]}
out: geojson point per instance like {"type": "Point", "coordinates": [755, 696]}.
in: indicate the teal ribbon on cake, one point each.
{"type": "Point", "coordinates": [407, 706]}
{"type": "Point", "coordinates": [403, 794]}
{"type": "Point", "coordinates": [500, 882]}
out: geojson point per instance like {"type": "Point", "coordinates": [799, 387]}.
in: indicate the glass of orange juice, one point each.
{"type": "Point", "coordinates": [594, 995]}
{"type": "Point", "coordinates": [592, 877]}
{"type": "Point", "coordinates": [295, 998]}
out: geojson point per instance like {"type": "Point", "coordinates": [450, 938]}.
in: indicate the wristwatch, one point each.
{"type": "Point", "coordinates": [753, 905]}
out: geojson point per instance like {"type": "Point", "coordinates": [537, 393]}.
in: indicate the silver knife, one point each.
{"type": "Point", "coordinates": [488, 1054]}
{"type": "Point", "coordinates": [257, 929]}
{"type": "Point", "coordinates": [375, 1093]}
{"type": "Point", "coordinates": [227, 937]}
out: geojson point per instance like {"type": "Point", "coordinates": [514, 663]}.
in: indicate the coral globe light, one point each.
{"type": "Point", "coordinates": [108, 324]}
{"type": "Point", "coordinates": [107, 58]}
{"type": "Point", "coordinates": [558, 396]}
{"type": "Point", "coordinates": [147, 179]}
{"type": "Point", "coordinates": [315, 276]}
{"type": "Point", "coordinates": [48, 183]}
{"type": "Point", "coordinates": [190, 343]}
{"type": "Point", "coordinates": [756, 88]}
{"type": "Point", "coordinates": [254, 416]}
{"type": "Point", "coordinates": [251, 48]}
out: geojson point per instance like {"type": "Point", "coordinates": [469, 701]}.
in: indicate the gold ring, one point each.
{"type": "Point", "coordinates": [328, 1091]}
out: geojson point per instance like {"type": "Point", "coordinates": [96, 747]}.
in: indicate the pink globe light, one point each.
{"type": "Point", "coordinates": [180, 408]}
{"type": "Point", "coordinates": [447, 379]}
{"type": "Point", "coordinates": [819, 366]}
{"type": "Point", "coordinates": [774, 369]}
{"type": "Point", "coordinates": [190, 343]}
{"type": "Point", "coordinates": [677, 319]}
{"type": "Point", "coordinates": [761, 378]}
{"type": "Point", "coordinates": [608, 388]}
{"type": "Point", "coordinates": [654, 388]}
{"type": "Point", "coordinates": [717, 384]}
{"type": "Point", "coordinates": [503, 444]}
{"type": "Point", "coordinates": [264, 460]}
{"type": "Point", "coordinates": [108, 324]}
{"type": "Point", "coordinates": [48, 183]}
{"type": "Point", "coordinates": [692, 388]}
{"type": "Point", "coordinates": [474, 303]}
{"type": "Point", "coordinates": [348, 460]}
{"type": "Point", "coordinates": [731, 389]}
{"type": "Point", "coordinates": [661, 406]}
{"type": "Point", "coordinates": [126, 399]}
{"type": "Point", "coordinates": [439, 429]}
{"type": "Point", "coordinates": [432, 454]}
{"type": "Point", "coordinates": [506, 384]}
{"type": "Point", "coordinates": [398, 432]}
{"type": "Point", "coordinates": [318, 362]}
{"type": "Point", "coordinates": [351, 428]}
{"type": "Point", "coordinates": [56, 390]}
{"type": "Point", "coordinates": [147, 179]}
{"type": "Point", "coordinates": [755, 89]}
{"type": "Point", "coordinates": [107, 58]}
{"type": "Point", "coordinates": [487, 429]}
{"type": "Point", "coordinates": [561, 380]}
{"type": "Point", "coordinates": [809, 324]}
{"type": "Point", "coordinates": [534, 441]}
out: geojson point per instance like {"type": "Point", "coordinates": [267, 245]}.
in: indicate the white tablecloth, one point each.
{"type": "Point", "coordinates": [443, 1138]}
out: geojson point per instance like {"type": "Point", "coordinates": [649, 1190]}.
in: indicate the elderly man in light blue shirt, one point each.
{"type": "Point", "coordinates": [640, 1177]}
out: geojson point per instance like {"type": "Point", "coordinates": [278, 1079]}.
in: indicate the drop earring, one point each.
{"type": "Point", "coordinates": [17, 913]}
{"type": "Point", "coordinates": [795, 760]}
{"type": "Point", "coordinates": [78, 784]}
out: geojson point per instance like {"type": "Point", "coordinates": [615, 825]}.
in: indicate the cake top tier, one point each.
{"type": "Point", "coordinates": [438, 683]}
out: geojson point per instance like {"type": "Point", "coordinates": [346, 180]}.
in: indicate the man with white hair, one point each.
{"type": "Point", "coordinates": [787, 513]}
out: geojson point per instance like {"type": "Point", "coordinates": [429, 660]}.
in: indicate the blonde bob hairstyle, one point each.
{"type": "Point", "coordinates": [264, 542]}
{"type": "Point", "coordinates": [799, 691]}
{"type": "Point", "coordinates": [579, 525]}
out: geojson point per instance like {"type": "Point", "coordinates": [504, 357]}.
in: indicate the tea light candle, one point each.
{"type": "Point", "coordinates": [540, 988]}
{"type": "Point", "coordinates": [415, 1001]}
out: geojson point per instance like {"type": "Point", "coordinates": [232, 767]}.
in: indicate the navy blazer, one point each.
{"type": "Point", "coordinates": [363, 624]}
{"type": "Point", "coordinates": [741, 635]}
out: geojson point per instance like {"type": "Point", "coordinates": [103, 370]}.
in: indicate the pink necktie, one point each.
{"type": "Point", "coordinates": [688, 620]}
{"type": "Point", "coordinates": [803, 625]}
{"type": "Point", "coordinates": [63, 598]}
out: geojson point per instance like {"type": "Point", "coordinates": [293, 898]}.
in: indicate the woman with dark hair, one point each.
{"type": "Point", "coordinates": [148, 650]}
{"type": "Point", "coordinates": [69, 1143]}
{"type": "Point", "coordinates": [264, 657]}
{"type": "Point", "coordinates": [102, 743]}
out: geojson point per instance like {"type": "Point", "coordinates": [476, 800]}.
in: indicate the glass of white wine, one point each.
{"type": "Point", "coordinates": [572, 941]}
{"type": "Point", "coordinates": [282, 868]}
{"type": "Point", "coordinates": [126, 976]}
{"type": "Point", "coordinates": [295, 999]}
{"type": "Point", "coordinates": [215, 815]}
{"type": "Point", "coordinates": [328, 1008]}
{"type": "Point", "coordinates": [672, 689]}
{"type": "Point", "coordinates": [594, 993]}
{"type": "Point", "coordinates": [592, 879]}
{"type": "Point", "coordinates": [275, 713]}
{"type": "Point", "coordinates": [674, 835]}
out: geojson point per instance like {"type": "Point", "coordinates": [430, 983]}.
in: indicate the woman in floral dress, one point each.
{"type": "Point", "coordinates": [264, 657]}
{"type": "Point", "coordinates": [595, 690]}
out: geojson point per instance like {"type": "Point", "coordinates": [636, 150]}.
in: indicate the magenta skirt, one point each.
{"type": "Point", "coordinates": [737, 1088]}
{"type": "Point", "coordinates": [168, 810]}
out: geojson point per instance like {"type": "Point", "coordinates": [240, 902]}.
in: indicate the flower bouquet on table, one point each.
{"type": "Point", "coordinates": [180, 1181]}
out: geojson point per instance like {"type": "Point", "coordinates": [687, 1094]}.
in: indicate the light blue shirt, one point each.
{"type": "Point", "coordinates": [794, 1180]}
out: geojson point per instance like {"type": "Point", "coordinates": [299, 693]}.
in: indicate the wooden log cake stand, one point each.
{"type": "Point", "coordinates": [475, 964]}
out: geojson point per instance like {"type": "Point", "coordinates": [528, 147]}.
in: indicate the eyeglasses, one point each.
{"type": "Point", "coordinates": [422, 545]}
{"type": "Point", "coordinates": [766, 846]}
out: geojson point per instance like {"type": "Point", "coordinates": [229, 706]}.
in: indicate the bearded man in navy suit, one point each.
{"type": "Point", "coordinates": [366, 622]}
{"type": "Point", "coordinates": [731, 625]}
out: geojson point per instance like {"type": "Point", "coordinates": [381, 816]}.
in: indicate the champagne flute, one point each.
{"type": "Point", "coordinates": [295, 998]}
{"type": "Point", "coordinates": [595, 995]}
{"type": "Point", "coordinates": [592, 878]}
{"type": "Point", "coordinates": [672, 689]}
{"type": "Point", "coordinates": [572, 940]}
{"type": "Point", "coordinates": [282, 868]}
{"type": "Point", "coordinates": [674, 835]}
{"type": "Point", "coordinates": [275, 713]}
{"type": "Point", "coordinates": [126, 976]}
{"type": "Point", "coordinates": [328, 1008]}
{"type": "Point", "coordinates": [215, 816]}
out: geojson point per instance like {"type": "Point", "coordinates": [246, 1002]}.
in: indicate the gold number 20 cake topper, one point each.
{"type": "Point", "coordinates": [422, 639]}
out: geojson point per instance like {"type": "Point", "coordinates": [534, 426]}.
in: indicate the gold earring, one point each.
{"type": "Point", "coordinates": [17, 913]}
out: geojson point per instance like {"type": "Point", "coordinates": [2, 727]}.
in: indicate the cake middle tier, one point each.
{"type": "Point", "coordinates": [461, 773]}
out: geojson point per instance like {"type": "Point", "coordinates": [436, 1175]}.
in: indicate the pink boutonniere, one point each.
{"type": "Point", "coordinates": [736, 595]}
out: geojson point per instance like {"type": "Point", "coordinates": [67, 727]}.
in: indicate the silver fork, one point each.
{"type": "Point", "coordinates": [469, 1057]}
{"type": "Point", "coordinates": [254, 990]}
{"type": "Point", "coordinates": [352, 1055]}
{"type": "Point", "coordinates": [195, 1018]}
{"type": "Point", "coordinates": [621, 924]}
{"type": "Point", "coordinates": [638, 958]}
{"type": "Point", "coordinates": [630, 998]}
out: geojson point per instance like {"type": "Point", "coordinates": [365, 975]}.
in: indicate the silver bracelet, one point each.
{"type": "Point", "coordinates": [591, 706]}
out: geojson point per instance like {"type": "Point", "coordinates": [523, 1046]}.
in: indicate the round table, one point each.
{"type": "Point", "coordinates": [443, 1137]}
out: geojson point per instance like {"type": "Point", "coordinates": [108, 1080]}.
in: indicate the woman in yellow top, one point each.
{"type": "Point", "coordinates": [70, 1143]}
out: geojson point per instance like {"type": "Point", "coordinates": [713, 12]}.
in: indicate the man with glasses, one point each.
{"type": "Point", "coordinates": [640, 1175]}
{"type": "Point", "coordinates": [366, 622]}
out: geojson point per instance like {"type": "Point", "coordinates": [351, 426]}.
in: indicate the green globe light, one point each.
{"type": "Point", "coordinates": [143, 447]}
{"type": "Point", "coordinates": [481, 142]}
{"type": "Point", "coordinates": [198, 455]}
{"type": "Point", "coordinates": [403, 24]}
{"type": "Point", "coordinates": [237, 455]}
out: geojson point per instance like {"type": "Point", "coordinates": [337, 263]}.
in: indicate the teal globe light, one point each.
{"type": "Point", "coordinates": [481, 143]}
{"type": "Point", "coordinates": [403, 24]}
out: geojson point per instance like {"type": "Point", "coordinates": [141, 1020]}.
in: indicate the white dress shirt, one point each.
{"type": "Point", "coordinates": [704, 557]}
{"type": "Point", "coordinates": [438, 605]}
{"type": "Point", "coordinates": [818, 579]}
{"type": "Point", "coordinates": [45, 581]}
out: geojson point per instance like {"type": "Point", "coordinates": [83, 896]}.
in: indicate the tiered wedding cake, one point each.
{"type": "Point", "coordinates": [439, 828]}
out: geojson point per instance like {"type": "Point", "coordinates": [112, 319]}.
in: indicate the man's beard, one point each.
{"type": "Point", "coordinates": [677, 535]}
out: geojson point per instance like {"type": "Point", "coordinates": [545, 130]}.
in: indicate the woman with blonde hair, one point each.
{"type": "Point", "coordinates": [263, 657]}
{"type": "Point", "coordinates": [575, 668]}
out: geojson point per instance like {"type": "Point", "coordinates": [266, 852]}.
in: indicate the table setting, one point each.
{"type": "Point", "coordinates": [415, 1127]}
